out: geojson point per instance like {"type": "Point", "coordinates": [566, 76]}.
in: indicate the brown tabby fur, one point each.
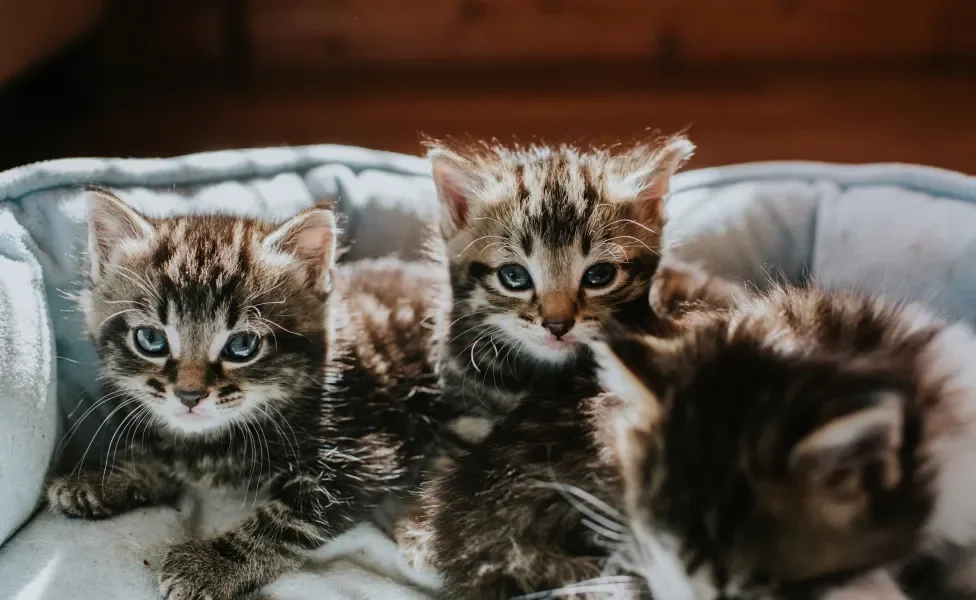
{"type": "Point", "coordinates": [337, 410]}
{"type": "Point", "coordinates": [785, 445]}
{"type": "Point", "coordinates": [555, 211]}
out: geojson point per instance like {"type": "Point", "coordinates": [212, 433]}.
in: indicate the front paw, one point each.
{"type": "Point", "coordinates": [196, 570]}
{"type": "Point", "coordinates": [674, 286]}
{"type": "Point", "coordinates": [79, 498]}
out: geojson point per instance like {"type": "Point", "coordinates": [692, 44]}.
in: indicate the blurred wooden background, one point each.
{"type": "Point", "coordinates": [840, 80]}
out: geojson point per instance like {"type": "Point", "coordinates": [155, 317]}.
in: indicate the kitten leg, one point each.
{"type": "Point", "coordinates": [494, 530]}
{"type": "Point", "coordinates": [102, 493]}
{"type": "Point", "coordinates": [677, 284]}
{"type": "Point", "coordinates": [962, 575]}
{"type": "Point", "coordinates": [413, 537]}
{"type": "Point", "coordinates": [302, 515]}
{"type": "Point", "coordinates": [875, 585]}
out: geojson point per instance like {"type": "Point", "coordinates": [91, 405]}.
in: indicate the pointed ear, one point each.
{"type": "Point", "coordinates": [651, 181]}
{"type": "Point", "coordinates": [842, 458]}
{"type": "Point", "coordinates": [309, 238]}
{"type": "Point", "coordinates": [457, 189]}
{"type": "Point", "coordinates": [626, 368]}
{"type": "Point", "coordinates": [111, 223]}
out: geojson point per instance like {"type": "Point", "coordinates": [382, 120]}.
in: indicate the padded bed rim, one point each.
{"type": "Point", "coordinates": [207, 167]}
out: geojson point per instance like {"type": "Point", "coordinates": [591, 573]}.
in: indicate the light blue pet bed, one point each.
{"type": "Point", "coordinates": [907, 231]}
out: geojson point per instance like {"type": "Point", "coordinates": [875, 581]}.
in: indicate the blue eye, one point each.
{"type": "Point", "coordinates": [241, 346]}
{"type": "Point", "coordinates": [515, 277]}
{"type": "Point", "coordinates": [151, 341]}
{"type": "Point", "coordinates": [599, 275]}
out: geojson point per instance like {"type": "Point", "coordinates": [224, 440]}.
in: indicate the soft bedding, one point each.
{"type": "Point", "coordinates": [903, 230]}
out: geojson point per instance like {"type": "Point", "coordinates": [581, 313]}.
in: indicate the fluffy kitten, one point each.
{"type": "Point", "coordinates": [799, 444]}
{"type": "Point", "coordinates": [241, 355]}
{"type": "Point", "coordinates": [515, 516]}
{"type": "Point", "coordinates": [543, 243]}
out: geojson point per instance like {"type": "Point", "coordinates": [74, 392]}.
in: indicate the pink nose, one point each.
{"type": "Point", "coordinates": [190, 398]}
{"type": "Point", "coordinates": [558, 328]}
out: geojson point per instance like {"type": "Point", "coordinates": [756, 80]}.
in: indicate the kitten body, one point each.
{"type": "Point", "coordinates": [796, 444]}
{"type": "Point", "coordinates": [800, 443]}
{"type": "Point", "coordinates": [236, 353]}
{"type": "Point", "coordinates": [543, 244]}
{"type": "Point", "coordinates": [507, 520]}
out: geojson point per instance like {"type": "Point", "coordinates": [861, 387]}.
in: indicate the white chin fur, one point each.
{"type": "Point", "coordinates": [206, 417]}
{"type": "Point", "coordinates": [538, 343]}
{"type": "Point", "coordinates": [550, 354]}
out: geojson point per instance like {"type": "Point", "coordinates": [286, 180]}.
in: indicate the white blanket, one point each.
{"type": "Point", "coordinates": [908, 231]}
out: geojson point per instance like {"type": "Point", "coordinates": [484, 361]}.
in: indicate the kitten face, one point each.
{"type": "Point", "coordinates": [545, 242]}
{"type": "Point", "coordinates": [207, 320]}
{"type": "Point", "coordinates": [759, 461]}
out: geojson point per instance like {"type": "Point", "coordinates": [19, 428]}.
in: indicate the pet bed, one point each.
{"type": "Point", "coordinates": [907, 231]}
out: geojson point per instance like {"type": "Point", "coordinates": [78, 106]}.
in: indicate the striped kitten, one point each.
{"type": "Point", "coordinates": [801, 444]}
{"type": "Point", "coordinates": [543, 243]}
{"type": "Point", "coordinates": [243, 356]}
{"type": "Point", "coordinates": [798, 444]}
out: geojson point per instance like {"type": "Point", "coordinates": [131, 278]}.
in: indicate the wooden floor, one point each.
{"type": "Point", "coordinates": [905, 116]}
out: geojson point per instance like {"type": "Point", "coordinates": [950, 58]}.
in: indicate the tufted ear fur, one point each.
{"type": "Point", "coordinates": [309, 238]}
{"type": "Point", "coordinates": [458, 189]}
{"type": "Point", "coordinates": [844, 458]}
{"type": "Point", "coordinates": [111, 226]}
{"type": "Point", "coordinates": [646, 173]}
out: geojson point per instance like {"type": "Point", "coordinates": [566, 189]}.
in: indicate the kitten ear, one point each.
{"type": "Point", "coordinates": [626, 367]}
{"type": "Point", "coordinates": [310, 238]}
{"type": "Point", "coordinates": [457, 189]}
{"type": "Point", "coordinates": [111, 223]}
{"type": "Point", "coordinates": [841, 458]}
{"type": "Point", "coordinates": [650, 182]}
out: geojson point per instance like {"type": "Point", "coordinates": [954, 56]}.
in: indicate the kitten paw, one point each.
{"type": "Point", "coordinates": [676, 286]}
{"type": "Point", "coordinates": [78, 499]}
{"type": "Point", "coordinates": [195, 570]}
{"type": "Point", "coordinates": [414, 540]}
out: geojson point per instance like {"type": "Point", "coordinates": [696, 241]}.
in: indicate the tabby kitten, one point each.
{"type": "Point", "coordinates": [515, 516]}
{"type": "Point", "coordinates": [245, 357]}
{"type": "Point", "coordinates": [543, 243]}
{"type": "Point", "coordinates": [800, 444]}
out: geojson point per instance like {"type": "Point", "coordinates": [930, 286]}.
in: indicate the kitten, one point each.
{"type": "Point", "coordinates": [798, 444]}
{"type": "Point", "coordinates": [243, 356]}
{"type": "Point", "coordinates": [543, 243]}
{"type": "Point", "coordinates": [507, 520]}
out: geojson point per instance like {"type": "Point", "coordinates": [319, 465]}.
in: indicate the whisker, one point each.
{"type": "Point", "coordinates": [589, 499]}
{"type": "Point", "coordinates": [470, 314]}
{"type": "Point", "coordinates": [641, 225]}
{"type": "Point", "coordinates": [599, 585]}
{"type": "Point", "coordinates": [484, 237]}
{"type": "Point", "coordinates": [95, 435]}
{"type": "Point", "coordinates": [113, 315]}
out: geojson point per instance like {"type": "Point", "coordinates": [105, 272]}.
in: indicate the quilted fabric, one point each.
{"type": "Point", "coordinates": [902, 230]}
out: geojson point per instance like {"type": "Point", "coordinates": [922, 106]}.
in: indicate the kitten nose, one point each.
{"type": "Point", "coordinates": [558, 328]}
{"type": "Point", "coordinates": [190, 398]}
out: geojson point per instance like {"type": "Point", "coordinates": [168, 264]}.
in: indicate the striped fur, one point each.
{"type": "Point", "coordinates": [336, 410]}
{"type": "Point", "coordinates": [796, 444]}
{"type": "Point", "coordinates": [556, 212]}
